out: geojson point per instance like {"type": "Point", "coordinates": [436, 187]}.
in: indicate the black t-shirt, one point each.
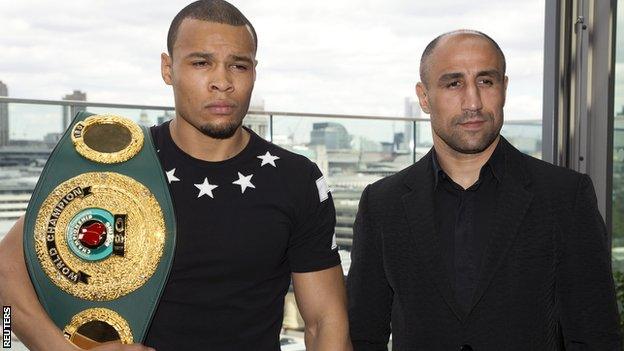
{"type": "Point", "coordinates": [244, 224]}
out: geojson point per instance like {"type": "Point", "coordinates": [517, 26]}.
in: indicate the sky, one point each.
{"type": "Point", "coordinates": [324, 56]}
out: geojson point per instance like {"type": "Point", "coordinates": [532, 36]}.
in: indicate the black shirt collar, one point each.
{"type": "Point", "coordinates": [496, 165]}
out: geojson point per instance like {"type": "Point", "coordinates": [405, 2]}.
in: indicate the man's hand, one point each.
{"type": "Point", "coordinates": [30, 321]}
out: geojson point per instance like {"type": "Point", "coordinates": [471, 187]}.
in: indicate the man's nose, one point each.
{"type": "Point", "coordinates": [221, 81]}
{"type": "Point", "coordinates": [472, 98]}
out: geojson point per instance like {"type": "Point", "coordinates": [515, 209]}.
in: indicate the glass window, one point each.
{"type": "Point", "coordinates": [618, 144]}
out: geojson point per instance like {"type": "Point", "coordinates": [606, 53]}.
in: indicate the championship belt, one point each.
{"type": "Point", "coordinates": [99, 233]}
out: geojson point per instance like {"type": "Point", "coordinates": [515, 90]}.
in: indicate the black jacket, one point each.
{"type": "Point", "coordinates": [545, 281]}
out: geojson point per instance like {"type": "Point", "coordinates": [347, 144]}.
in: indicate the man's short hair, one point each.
{"type": "Point", "coordinates": [424, 64]}
{"type": "Point", "coordinates": [218, 11]}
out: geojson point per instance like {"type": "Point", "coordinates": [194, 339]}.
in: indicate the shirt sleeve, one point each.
{"type": "Point", "coordinates": [368, 292]}
{"type": "Point", "coordinates": [588, 309]}
{"type": "Point", "coordinates": [312, 245]}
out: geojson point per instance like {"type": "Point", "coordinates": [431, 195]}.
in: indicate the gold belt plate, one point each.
{"type": "Point", "coordinates": [138, 250]}
{"type": "Point", "coordinates": [107, 138]}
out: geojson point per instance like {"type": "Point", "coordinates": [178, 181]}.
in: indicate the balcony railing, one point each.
{"type": "Point", "coordinates": [352, 151]}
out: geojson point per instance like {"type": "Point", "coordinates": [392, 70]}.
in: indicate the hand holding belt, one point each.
{"type": "Point", "coordinates": [99, 234]}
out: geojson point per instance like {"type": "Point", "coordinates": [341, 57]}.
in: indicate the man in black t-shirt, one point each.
{"type": "Point", "coordinates": [244, 223]}
{"type": "Point", "coordinates": [250, 215]}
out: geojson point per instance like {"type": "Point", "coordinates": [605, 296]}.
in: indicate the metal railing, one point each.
{"type": "Point", "coordinates": [351, 150]}
{"type": "Point", "coordinates": [73, 103]}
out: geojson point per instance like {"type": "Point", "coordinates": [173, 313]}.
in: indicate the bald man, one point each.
{"type": "Point", "coordinates": [478, 246]}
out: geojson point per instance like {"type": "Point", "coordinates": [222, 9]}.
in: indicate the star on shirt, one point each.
{"type": "Point", "coordinates": [171, 176]}
{"type": "Point", "coordinates": [244, 182]}
{"type": "Point", "coordinates": [205, 188]}
{"type": "Point", "coordinates": [268, 159]}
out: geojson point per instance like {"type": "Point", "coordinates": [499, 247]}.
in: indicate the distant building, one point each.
{"type": "Point", "coordinates": [144, 119]}
{"type": "Point", "coordinates": [525, 135]}
{"type": "Point", "coordinates": [333, 135]}
{"type": "Point", "coordinates": [418, 138]}
{"type": "Point", "coordinates": [411, 110]}
{"type": "Point", "coordinates": [399, 143]}
{"type": "Point", "coordinates": [52, 138]}
{"type": "Point", "coordinates": [4, 116]}
{"type": "Point", "coordinates": [618, 140]}
{"type": "Point", "coordinates": [257, 123]}
{"type": "Point", "coordinates": [69, 112]}
{"type": "Point", "coordinates": [164, 118]}
{"type": "Point", "coordinates": [364, 144]}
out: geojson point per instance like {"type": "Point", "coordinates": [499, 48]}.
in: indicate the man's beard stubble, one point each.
{"type": "Point", "coordinates": [221, 132]}
{"type": "Point", "coordinates": [226, 131]}
{"type": "Point", "coordinates": [214, 130]}
{"type": "Point", "coordinates": [454, 139]}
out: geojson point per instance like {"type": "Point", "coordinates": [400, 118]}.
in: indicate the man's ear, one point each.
{"type": "Point", "coordinates": [423, 98]}
{"type": "Point", "coordinates": [165, 68]}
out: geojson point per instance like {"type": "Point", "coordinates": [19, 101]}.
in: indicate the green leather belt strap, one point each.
{"type": "Point", "coordinates": [99, 234]}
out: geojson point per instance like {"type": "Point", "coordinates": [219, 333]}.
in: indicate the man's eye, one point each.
{"type": "Point", "coordinates": [240, 68]}
{"type": "Point", "coordinates": [453, 84]}
{"type": "Point", "coordinates": [200, 64]}
{"type": "Point", "coordinates": [487, 82]}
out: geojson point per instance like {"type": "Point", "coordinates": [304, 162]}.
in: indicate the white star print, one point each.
{"type": "Point", "coordinates": [244, 181]}
{"type": "Point", "coordinates": [268, 159]}
{"type": "Point", "coordinates": [205, 188]}
{"type": "Point", "coordinates": [171, 176]}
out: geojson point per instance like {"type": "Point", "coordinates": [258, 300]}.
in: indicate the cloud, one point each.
{"type": "Point", "coordinates": [348, 56]}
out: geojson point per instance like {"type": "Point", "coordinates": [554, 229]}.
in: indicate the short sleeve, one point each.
{"type": "Point", "coordinates": [312, 245]}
